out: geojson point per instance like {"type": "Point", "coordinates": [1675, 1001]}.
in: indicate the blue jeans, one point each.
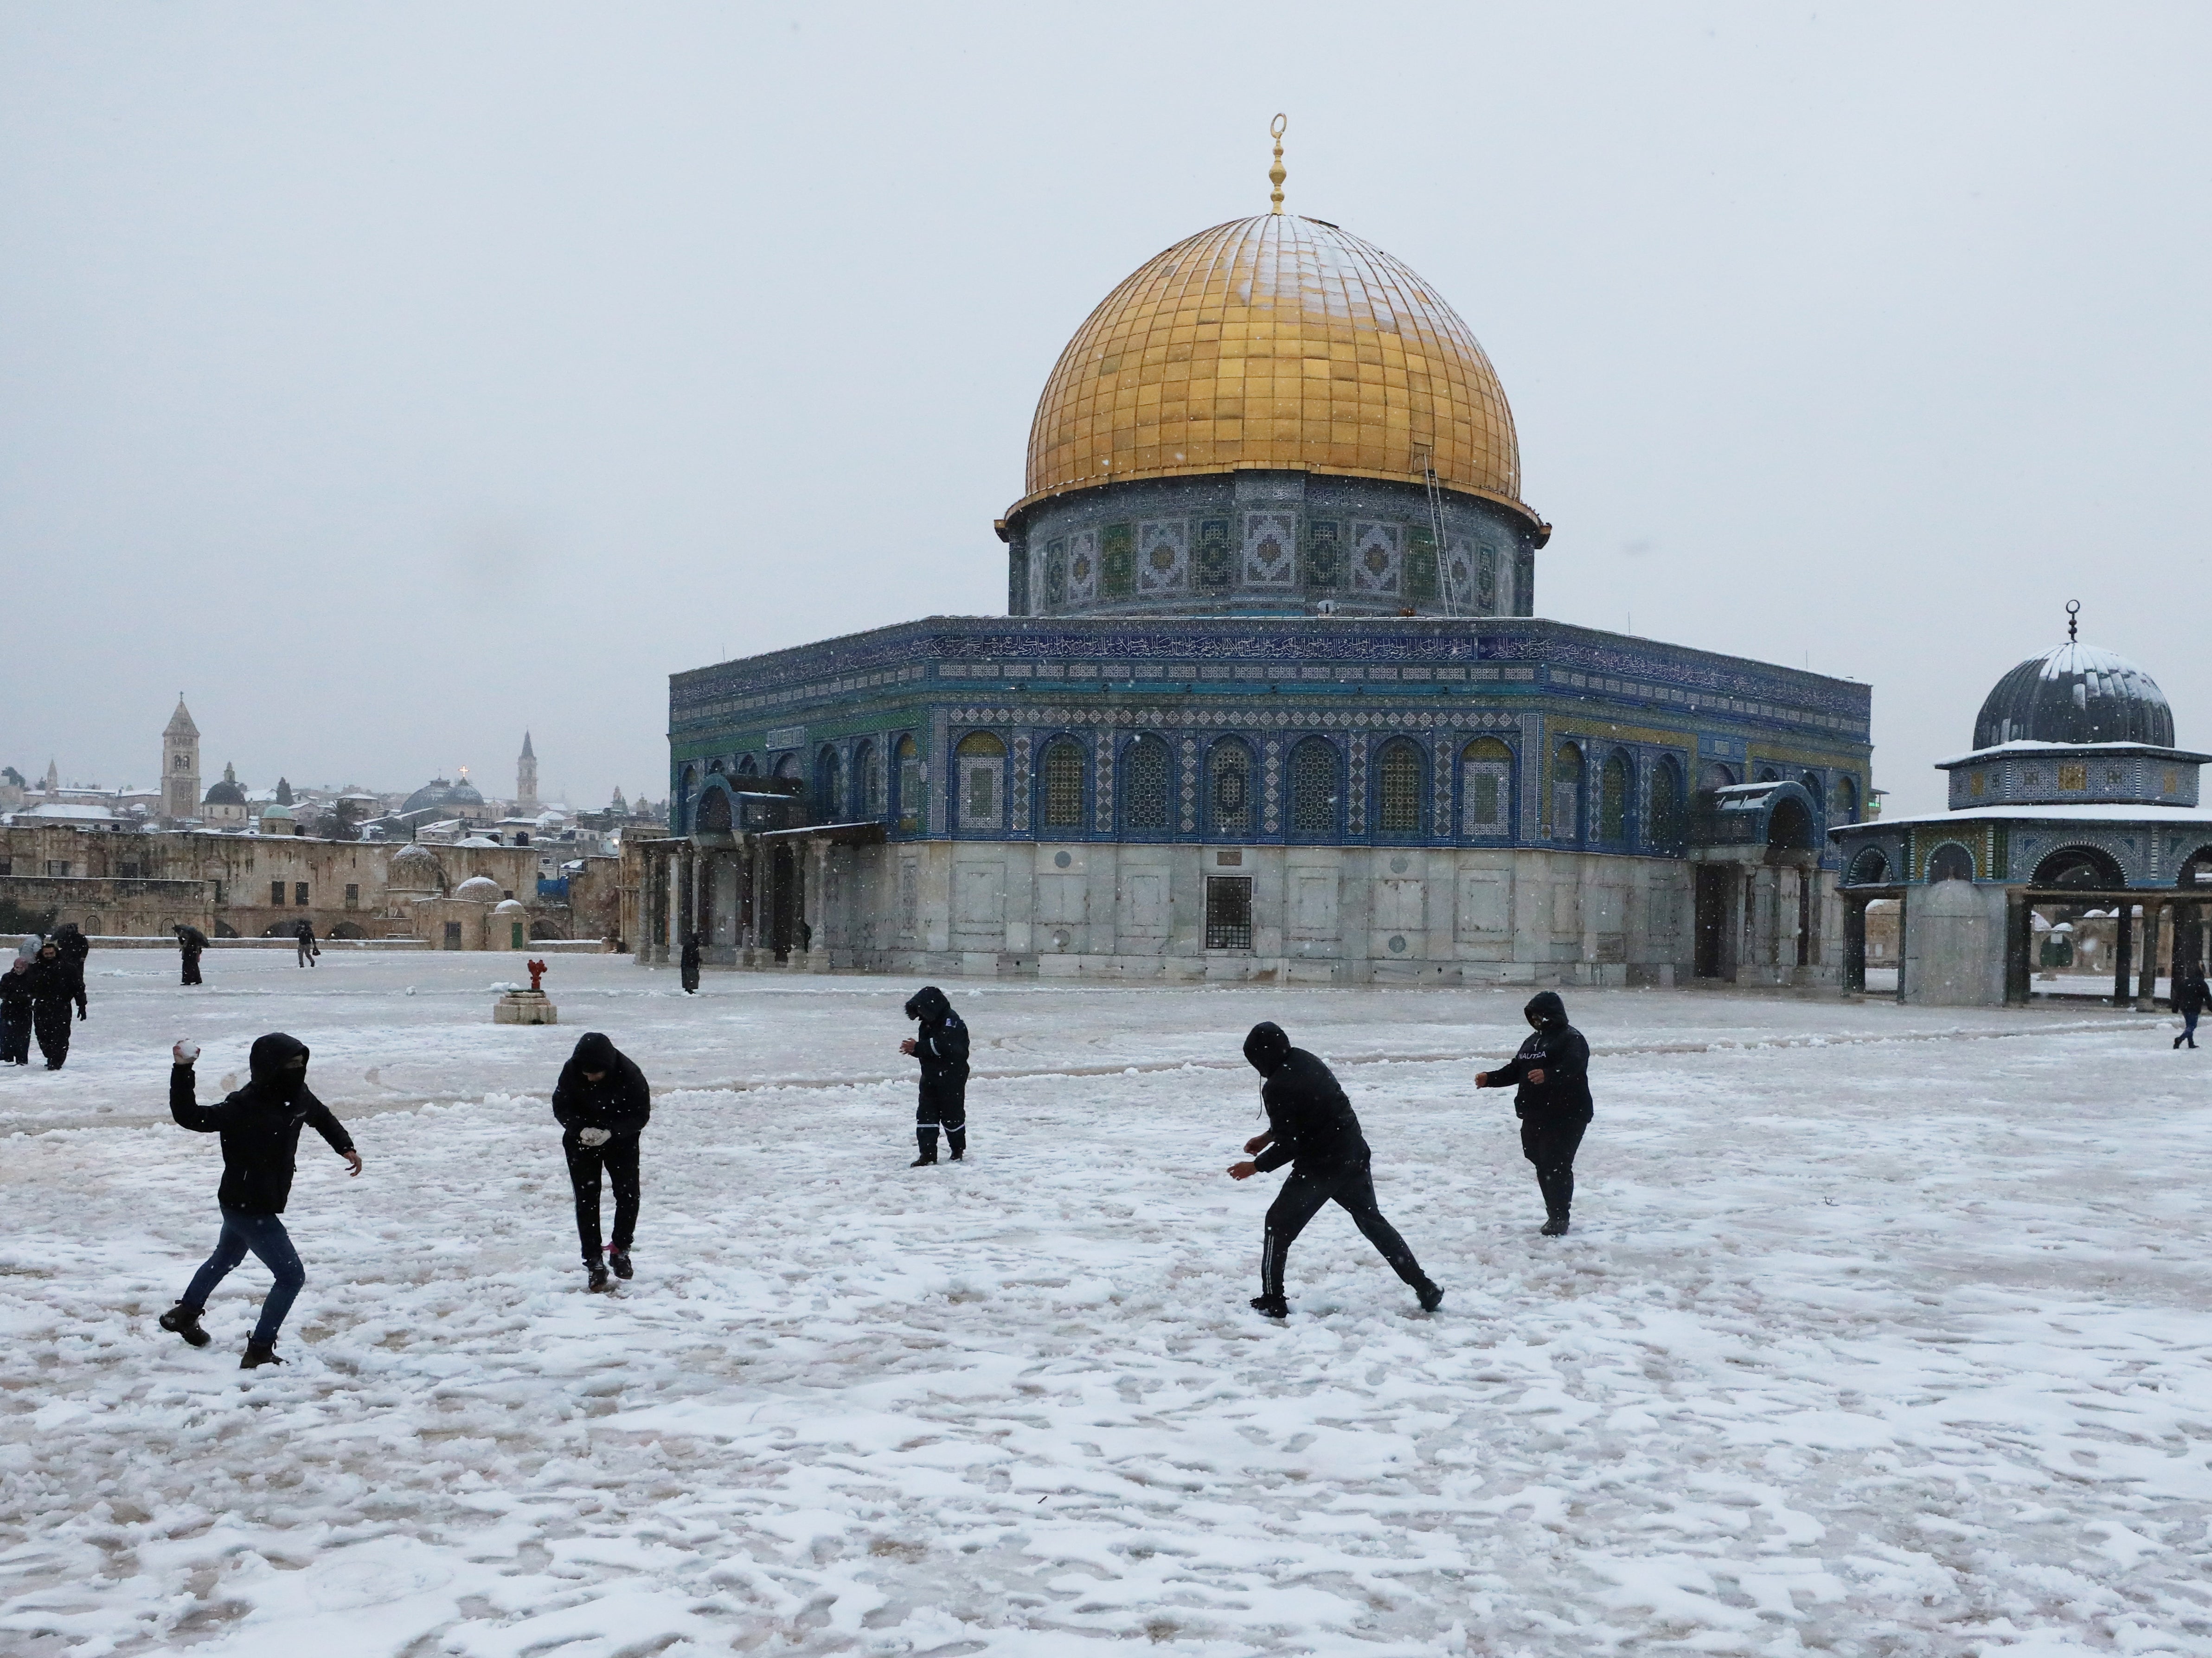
{"type": "Point", "coordinates": [265, 1234]}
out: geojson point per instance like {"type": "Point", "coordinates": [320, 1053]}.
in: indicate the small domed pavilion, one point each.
{"type": "Point", "coordinates": [2073, 797]}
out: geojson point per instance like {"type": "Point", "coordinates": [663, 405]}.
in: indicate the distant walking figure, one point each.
{"type": "Point", "coordinates": [602, 1103]}
{"type": "Point", "coordinates": [1312, 1127]}
{"type": "Point", "coordinates": [941, 1045]}
{"type": "Point", "coordinates": [190, 941]}
{"type": "Point", "coordinates": [1551, 1073]}
{"type": "Point", "coordinates": [691, 963]}
{"type": "Point", "coordinates": [260, 1127]}
{"type": "Point", "coordinates": [2190, 994]}
{"type": "Point", "coordinates": [305, 934]}
{"type": "Point", "coordinates": [54, 986]}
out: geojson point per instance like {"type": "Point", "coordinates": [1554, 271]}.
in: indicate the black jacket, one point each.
{"type": "Point", "coordinates": [941, 1044]}
{"type": "Point", "coordinates": [192, 940]}
{"type": "Point", "coordinates": [2191, 995]}
{"type": "Point", "coordinates": [75, 947]}
{"type": "Point", "coordinates": [260, 1125]}
{"type": "Point", "coordinates": [15, 994]}
{"type": "Point", "coordinates": [620, 1102]}
{"type": "Point", "coordinates": [1314, 1125]}
{"type": "Point", "coordinates": [1556, 1048]}
{"type": "Point", "coordinates": [56, 981]}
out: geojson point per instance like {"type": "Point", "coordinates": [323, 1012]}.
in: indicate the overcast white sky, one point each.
{"type": "Point", "coordinates": [392, 378]}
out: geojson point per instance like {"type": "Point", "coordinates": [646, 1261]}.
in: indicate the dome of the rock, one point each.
{"type": "Point", "coordinates": [1275, 343]}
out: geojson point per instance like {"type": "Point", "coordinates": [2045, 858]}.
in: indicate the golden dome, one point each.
{"type": "Point", "coordinates": [1274, 342]}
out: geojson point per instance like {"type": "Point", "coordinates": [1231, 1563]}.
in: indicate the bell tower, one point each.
{"type": "Point", "coordinates": [526, 780]}
{"type": "Point", "coordinates": [181, 766]}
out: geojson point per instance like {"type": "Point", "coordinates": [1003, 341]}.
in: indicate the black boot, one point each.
{"type": "Point", "coordinates": [925, 1136]}
{"type": "Point", "coordinates": [1433, 1297]}
{"type": "Point", "coordinates": [183, 1320]}
{"type": "Point", "coordinates": [1556, 1225]}
{"type": "Point", "coordinates": [957, 1139]}
{"type": "Point", "coordinates": [598, 1279]}
{"type": "Point", "coordinates": [1271, 1306]}
{"type": "Point", "coordinates": [258, 1353]}
{"type": "Point", "coordinates": [619, 1258]}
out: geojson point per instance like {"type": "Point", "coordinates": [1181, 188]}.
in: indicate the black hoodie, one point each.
{"type": "Point", "coordinates": [1556, 1048]}
{"type": "Point", "coordinates": [1313, 1123]}
{"type": "Point", "coordinates": [941, 1044]}
{"type": "Point", "coordinates": [259, 1124]}
{"type": "Point", "coordinates": [620, 1102]}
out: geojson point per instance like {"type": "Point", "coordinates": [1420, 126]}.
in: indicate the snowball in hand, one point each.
{"type": "Point", "coordinates": [186, 1051]}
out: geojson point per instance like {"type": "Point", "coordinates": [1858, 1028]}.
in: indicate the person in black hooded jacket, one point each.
{"type": "Point", "coordinates": [1551, 1074]}
{"type": "Point", "coordinates": [941, 1045]}
{"type": "Point", "coordinates": [54, 986]}
{"type": "Point", "coordinates": [190, 941]}
{"type": "Point", "coordinates": [1312, 1127]}
{"type": "Point", "coordinates": [688, 963]}
{"type": "Point", "coordinates": [15, 1013]}
{"type": "Point", "coordinates": [260, 1128]}
{"type": "Point", "coordinates": [602, 1101]}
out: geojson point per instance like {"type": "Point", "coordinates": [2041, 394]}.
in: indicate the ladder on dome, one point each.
{"type": "Point", "coordinates": [1437, 529]}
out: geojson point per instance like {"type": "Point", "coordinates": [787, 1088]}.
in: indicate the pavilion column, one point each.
{"type": "Point", "coordinates": [822, 919]}
{"type": "Point", "coordinates": [2124, 960]}
{"type": "Point", "coordinates": [2019, 948]}
{"type": "Point", "coordinates": [1903, 937]}
{"type": "Point", "coordinates": [2146, 986]}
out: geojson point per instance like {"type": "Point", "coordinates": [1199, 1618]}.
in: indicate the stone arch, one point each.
{"type": "Point", "coordinates": [867, 783]}
{"type": "Point", "coordinates": [1813, 786]}
{"type": "Point", "coordinates": [829, 784]}
{"type": "Point", "coordinates": [2090, 868]}
{"type": "Point", "coordinates": [1952, 861]}
{"type": "Point", "coordinates": [1789, 825]}
{"type": "Point", "coordinates": [715, 817]}
{"type": "Point", "coordinates": [541, 927]}
{"type": "Point", "coordinates": [1062, 774]}
{"type": "Point", "coordinates": [1401, 788]}
{"type": "Point", "coordinates": [1847, 799]}
{"type": "Point", "coordinates": [1870, 868]}
{"type": "Point", "coordinates": [1232, 804]}
{"type": "Point", "coordinates": [1147, 779]}
{"type": "Point", "coordinates": [348, 930]}
{"type": "Point", "coordinates": [1486, 787]}
{"type": "Point", "coordinates": [2196, 870]}
{"type": "Point", "coordinates": [748, 766]}
{"type": "Point", "coordinates": [787, 767]}
{"type": "Point", "coordinates": [1316, 791]}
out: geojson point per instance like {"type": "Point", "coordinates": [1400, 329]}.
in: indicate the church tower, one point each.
{"type": "Point", "coordinates": [525, 781]}
{"type": "Point", "coordinates": [181, 766]}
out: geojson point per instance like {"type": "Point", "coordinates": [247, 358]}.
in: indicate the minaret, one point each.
{"type": "Point", "coordinates": [53, 784]}
{"type": "Point", "coordinates": [525, 781]}
{"type": "Point", "coordinates": [181, 766]}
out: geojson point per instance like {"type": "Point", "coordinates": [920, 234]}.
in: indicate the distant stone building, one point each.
{"type": "Point", "coordinates": [225, 806]}
{"type": "Point", "coordinates": [180, 767]}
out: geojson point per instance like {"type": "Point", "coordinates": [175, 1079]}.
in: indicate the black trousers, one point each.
{"type": "Point", "coordinates": [15, 1037]}
{"type": "Point", "coordinates": [942, 1104]}
{"type": "Point", "coordinates": [1351, 1188]}
{"type": "Point", "coordinates": [618, 1156]}
{"type": "Point", "coordinates": [690, 972]}
{"type": "Point", "coordinates": [51, 1022]}
{"type": "Point", "coordinates": [1550, 1143]}
{"type": "Point", "coordinates": [192, 967]}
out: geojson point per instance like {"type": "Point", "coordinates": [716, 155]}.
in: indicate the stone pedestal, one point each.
{"type": "Point", "coordinates": [524, 1007]}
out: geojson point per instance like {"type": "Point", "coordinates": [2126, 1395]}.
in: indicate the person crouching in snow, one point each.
{"type": "Point", "coordinates": [260, 1127]}
{"type": "Point", "coordinates": [602, 1101]}
{"type": "Point", "coordinates": [1312, 1127]}
{"type": "Point", "coordinates": [1551, 1073]}
{"type": "Point", "coordinates": [941, 1045]}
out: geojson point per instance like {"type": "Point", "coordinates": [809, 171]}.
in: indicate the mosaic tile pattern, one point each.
{"type": "Point", "coordinates": [1275, 341]}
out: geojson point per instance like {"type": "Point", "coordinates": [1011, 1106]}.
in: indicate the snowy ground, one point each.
{"type": "Point", "coordinates": [1881, 1331]}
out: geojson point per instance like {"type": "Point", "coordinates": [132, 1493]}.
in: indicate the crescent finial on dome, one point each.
{"type": "Point", "coordinates": [1275, 173]}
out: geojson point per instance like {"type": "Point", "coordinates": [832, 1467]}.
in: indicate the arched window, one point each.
{"type": "Point", "coordinates": [1062, 772]}
{"type": "Point", "coordinates": [867, 784]}
{"type": "Point", "coordinates": [828, 793]}
{"type": "Point", "coordinates": [747, 766]}
{"type": "Point", "coordinates": [1713, 775]}
{"type": "Point", "coordinates": [1400, 787]}
{"type": "Point", "coordinates": [1669, 827]}
{"type": "Point", "coordinates": [1229, 787]}
{"type": "Point", "coordinates": [908, 805]}
{"type": "Point", "coordinates": [1313, 789]}
{"type": "Point", "coordinates": [1950, 862]}
{"type": "Point", "coordinates": [1768, 775]}
{"type": "Point", "coordinates": [1567, 793]}
{"type": "Point", "coordinates": [787, 767]}
{"type": "Point", "coordinates": [1847, 800]}
{"type": "Point", "coordinates": [1486, 786]}
{"type": "Point", "coordinates": [1870, 869]}
{"type": "Point", "coordinates": [1614, 787]}
{"type": "Point", "coordinates": [979, 770]}
{"type": "Point", "coordinates": [1814, 787]}
{"type": "Point", "coordinates": [1145, 785]}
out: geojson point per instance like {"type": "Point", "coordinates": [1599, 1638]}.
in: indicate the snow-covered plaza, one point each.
{"type": "Point", "coordinates": [1881, 1330]}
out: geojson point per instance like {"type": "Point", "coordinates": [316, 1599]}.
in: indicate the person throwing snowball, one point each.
{"type": "Point", "coordinates": [1312, 1127]}
{"type": "Point", "coordinates": [603, 1103]}
{"type": "Point", "coordinates": [260, 1127]}
{"type": "Point", "coordinates": [1551, 1073]}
